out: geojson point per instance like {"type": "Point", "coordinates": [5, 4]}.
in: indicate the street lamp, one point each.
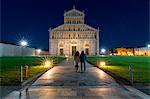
{"type": "Point", "coordinates": [148, 45]}
{"type": "Point", "coordinates": [103, 50]}
{"type": "Point", "coordinates": [38, 51]}
{"type": "Point", "coordinates": [23, 43]}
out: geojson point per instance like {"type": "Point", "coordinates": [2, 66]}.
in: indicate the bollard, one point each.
{"type": "Point", "coordinates": [131, 75]}
{"type": "Point", "coordinates": [21, 74]}
{"type": "Point", "coordinates": [27, 94]}
{"type": "Point", "coordinates": [97, 63]}
{"type": "Point", "coordinates": [26, 70]}
{"type": "Point", "coordinates": [52, 63]}
{"type": "Point", "coordinates": [20, 94]}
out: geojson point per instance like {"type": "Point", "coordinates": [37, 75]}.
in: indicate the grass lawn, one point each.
{"type": "Point", "coordinates": [10, 67]}
{"type": "Point", "coordinates": [119, 65]}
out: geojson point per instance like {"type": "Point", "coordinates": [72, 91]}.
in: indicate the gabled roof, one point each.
{"type": "Point", "coordinates": [63, 27]}
{"type": "Point", "coordinates": [58, 28]}
{"type": "Point", "coordinates": [73, 12]}
{"type": "Point", "coordinates": [90, 28]}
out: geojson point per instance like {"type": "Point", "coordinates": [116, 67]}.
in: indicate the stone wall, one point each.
{"type": "Point", "coordinates": [66, 45]}
{"type": "Point", "coordinates": [14, 50]}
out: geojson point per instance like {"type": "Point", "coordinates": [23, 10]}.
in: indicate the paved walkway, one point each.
{"type": "Point", "coordinates": [62, 82]}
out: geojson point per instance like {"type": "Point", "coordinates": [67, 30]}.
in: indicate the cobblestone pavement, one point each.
{"type": "Point", "coordinates": [62, 82]}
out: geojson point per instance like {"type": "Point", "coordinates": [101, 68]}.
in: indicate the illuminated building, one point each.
{"type": "Point", "coordinates": [143, 51]}
{"type": "Point", "coordinates": [125, 51]}
{"type": "Point", "coordinates": [74, 35]}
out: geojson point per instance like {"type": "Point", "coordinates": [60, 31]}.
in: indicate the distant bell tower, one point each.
{"type": "Point", "coordinates": [74, 17]}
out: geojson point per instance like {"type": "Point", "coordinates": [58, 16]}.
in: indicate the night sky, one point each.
{"type": "Point", "coordinates": [123, 23]}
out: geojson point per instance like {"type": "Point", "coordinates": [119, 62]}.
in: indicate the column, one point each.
{"type": "Point", "coordinates": [97, 41]}
{"type": "Point", "coordinates": [50, 38]}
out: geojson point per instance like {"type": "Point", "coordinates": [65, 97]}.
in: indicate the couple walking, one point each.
{"type": "Point", "coordinates": [80, 58]}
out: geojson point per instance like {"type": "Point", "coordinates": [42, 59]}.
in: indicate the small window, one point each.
{"type": "Point", "coordinates": [69, 35]}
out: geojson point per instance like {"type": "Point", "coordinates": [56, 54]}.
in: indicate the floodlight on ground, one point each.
{"type": "Point", "coordinates": [102, 63]}
{"type": "Point", "coordinates": [66, 56]}
{"type": "Point", "coordinates": [48, 63]}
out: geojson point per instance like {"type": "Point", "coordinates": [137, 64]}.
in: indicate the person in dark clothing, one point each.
{"type": "Point", "coordinates": [77, 60]}
{"type": "Point", "coordinates": [83, 60]}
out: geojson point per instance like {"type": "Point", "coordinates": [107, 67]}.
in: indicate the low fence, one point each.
{"type": "Point", "coordinates": [14, 50]}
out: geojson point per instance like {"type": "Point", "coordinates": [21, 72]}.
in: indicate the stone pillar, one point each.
{"type": "Point", "coordinates": [50, 38]}
{"type": "Point", "coordinates": [97, 41]}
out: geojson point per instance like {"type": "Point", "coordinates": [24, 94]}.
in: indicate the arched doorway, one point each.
{"type": "Point", "coordinates": [61, 49]}
{"type": "Point", "coordinates": [73, 47]}
{"type": "Point", "coordinates": [87, 49]}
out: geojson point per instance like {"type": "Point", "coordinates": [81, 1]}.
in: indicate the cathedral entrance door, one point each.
{"type": "Point", "coordinates": [73, 50]}
{"type": "Point", "coordinates": [61, 52]}
{"type": "Point", "coordinates": [87, 51]}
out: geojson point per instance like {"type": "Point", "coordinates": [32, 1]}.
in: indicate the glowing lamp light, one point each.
{"type": "Point", "coordinates": [103, 50]}
{"type": "Point", "coordinates": [66, 56]}
{"type": "Point", "coordinates": [39, 51]}
{"type": "Point", "coordinates": [148, 45]}
{"type": "Point", "coordinates": [48, 63]}
{"type": "Point", "coordinates": [23, 43]}
{"type": "Point", "coordinates": [102, 63]}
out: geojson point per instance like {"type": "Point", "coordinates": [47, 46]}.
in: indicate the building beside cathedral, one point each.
{"type": "Point", "coordinates": [74, 35]}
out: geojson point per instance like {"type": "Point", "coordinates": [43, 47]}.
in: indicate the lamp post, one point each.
{"type": "Point", "coordinates": [23, 43]}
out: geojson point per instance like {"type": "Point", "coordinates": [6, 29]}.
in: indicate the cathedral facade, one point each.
{"type": "Point", "coordinates": [74, 35]}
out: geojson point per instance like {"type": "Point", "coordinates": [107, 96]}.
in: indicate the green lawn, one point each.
{"type": "Point", "coordinates": [10, 67]}
{"type": "Point", "coordinates": [119, 65]}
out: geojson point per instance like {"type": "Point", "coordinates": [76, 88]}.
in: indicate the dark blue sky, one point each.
{"type": "Point", "coordinates": [122, 22]}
